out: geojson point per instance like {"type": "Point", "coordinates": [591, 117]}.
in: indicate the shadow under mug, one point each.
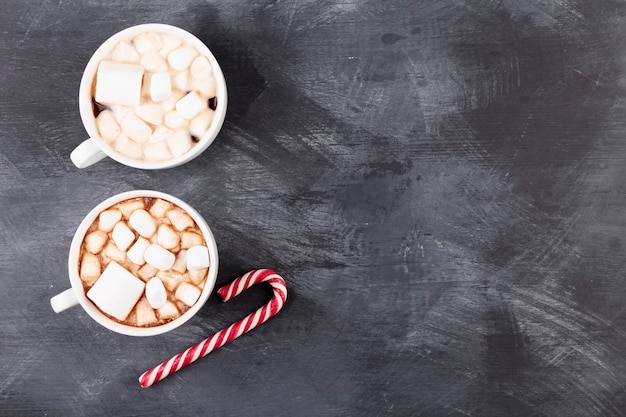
{"type": "Point", "coordinates": [76, 294]}
{"type": "Point", "coordinates": [94, 149]}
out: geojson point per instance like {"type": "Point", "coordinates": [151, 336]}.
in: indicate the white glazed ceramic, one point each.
{"type": "Point", "coordinates": [94, 149]}
{"type": "Point", "coordinates": [76, 294]}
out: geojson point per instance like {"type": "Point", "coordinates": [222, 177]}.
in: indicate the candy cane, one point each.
{"type": "Point", "coordinates": [231, 332]}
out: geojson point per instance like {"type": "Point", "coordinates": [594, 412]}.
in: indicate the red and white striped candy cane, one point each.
{"type": "Point", "coordinates": [231, 332]}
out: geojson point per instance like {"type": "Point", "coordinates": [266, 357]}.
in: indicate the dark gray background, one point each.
{"type": "Point", "coordinates": [441, 183]}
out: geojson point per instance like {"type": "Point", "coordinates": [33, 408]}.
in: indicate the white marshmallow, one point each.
{"type": "Point", "coordinates": [187, 293]}
{"type": "Point", "coordinates": [116, 291]}
{"type": "Point", "coordinates": [136, 252]}
{"type": "Point", "coordinates": [179, 143]}
{"type": "Point", "coordinates": [94, 241]}
{"type": "Point", "coordinates": [147, 42]}
{"type": "Point", "coordinates": [125, 52]}
{"type": "Point", "coordinates": [190, 105]}
{"type": "Point", "coordinates": [108, 219]}
{"type": "Point", "coordinates": [181, 58]}
{"type": "Point", "coordinates": [151, 113]}
{"type": "Point", "coordinates": [159, 257]}
{"type": "Point", "coordinates": [170, 43]}
{"type": "Point", "coordinates": [180, 80]}
{"type": "Point", "coordinates": [129, 206]}
{"type": "Point", "coordinates": [122, 236]}
{"type": "Point", "coordinates": [169, 103]}
{"type": "Point", "coordinates": [155, 293]}
{"type": "Point", "coordinates": [118, 83]}
{"type": "Point", "coordinates": [167, 237]}
{"type": "Point", "coordinates": [153, 62]}
{"type": "Point", "coordinates": [160, 133]}
{"type": "Point", "coordinates": [174, 120]}
{"type": "Point", "coordinates": [197, 257]}
{"type": "Point", "coordinates": [179, 219]}
{"type": "Point", "coordinates": [107, 126]}
{"type": "Point", "coordinates": [157, 152]}
{"type": "Point", "coordinates": [201, 68]}
{"type": "Point", "coordinates": [135, 128]}
{"type": "Point", "coordinates": [128, 147]}
{"type": "Point", "coordinates": [143, 223]}
{"type": "Point", "coordinates": [160, 86]}
{"type": "Point", "coordinates": [206, 87]}
{"type": "Point", "coordinates": [89, 268]}
{"type": "Point", "coordinates": [199, 125]}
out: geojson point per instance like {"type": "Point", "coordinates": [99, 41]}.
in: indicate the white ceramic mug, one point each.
{"type": "Point", "coordinates": [76, 294]}
{"type": "Point", "coordinates": [94, 149]}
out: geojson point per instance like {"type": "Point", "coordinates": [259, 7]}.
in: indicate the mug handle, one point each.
{"type": "Point", "coordinates": [86, 154]}
{"type": "Point", "coordinates": [64, 300]}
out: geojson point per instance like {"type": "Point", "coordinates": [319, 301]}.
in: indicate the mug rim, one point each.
{"type": "Point", "coordinates": [86, 111]}
{"type": "Point", "coordinates": [89, 306]}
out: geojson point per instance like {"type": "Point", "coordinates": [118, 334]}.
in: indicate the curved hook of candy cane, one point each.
{"type": "Point", "coordinates": [231, 332]}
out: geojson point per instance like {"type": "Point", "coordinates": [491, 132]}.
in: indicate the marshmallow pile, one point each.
{"type": "Point", "coordinates": [144, 262]}
{"type": "Point", "coordinates": [152, 93]}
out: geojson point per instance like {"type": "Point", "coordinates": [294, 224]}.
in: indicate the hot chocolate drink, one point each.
{"type": "Point", "coordinates": [143, 262]}
{"type": "Point", "coordinates": [153, 97]}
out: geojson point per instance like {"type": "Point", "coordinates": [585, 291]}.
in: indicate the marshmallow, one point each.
{"type": "Point", "coordinates": [160, 207]}
{"type": "Point", "coordinates": [128, 207]}
{"type": "Point", "coordinates": [89, 268]}
{"type": "Point", "coordinates": [170, 43]}
{"type": "Point", "coordinates": [201, 68]}
{"type": "Point", "coordinates": [118, 83]}
{"type": "Point", "coordinates": [125, 52]}
{"type": "Point", "coordinates": [174, 120]}
{"type": "Point", "coordinates": [197, 257]}
{"type": "Point", "coordinates": [107, 126]}
{"type": "Point", "coordinates": [181, 58]}
{"type": "Point", "coordinates": [160, 86]}
{"type": "Point", "coordinates": [160, 134]}
{"type": "Point", "coordinates": [169, 103]}
{"type": "Point", "coordinates": [180, 265]}
{"type": "Point", "coordinates": [179, 143]}
{"type": "Point", "coordinates": [108, 219]}
{"type": "Point", "coordinates": [148, 41]}
{"type": "Point", "coordinates": [168, 311]}
{"type": "Point", "coordinates": [147, 271]}
{"type": "Point", "coordinates": [187, 293]}
{"type": "Point", "coordinates": [135, 253]}
{"type": "Point", "coordinates": [116, 291]}
{"type": "Point", "coordinates": [155, 293]}
{"type": "Point", "coordinates": [197, 276]}
{"type": "Point", "coordinates": [180, 80]}
{"type": "Point", "coordinates": [167, 237]}
{"type": "Point", "coordinates": [122, 236]}
{"type": "Point", "coordinates": [143, 223]}
{"type": "Point", "coordinates": [159, 257]}
{"type": "Point", "coordinates": [206, 87]}
{"type": "Point", "coordinates": [189, 239]}
{"type": "Point", "coordinates": [170, 279]}
{"type": "Point", "coordinates": [190, 105]}
{"type": "Point", "coordinates": [144, 314]}
{"type": "Point", "coordinates": [128, 147]}
{"type": "Point", "coordinates": [152, 61]}
{"type": "Point", "coordinates": [151, 113]}
{"type": "Point", "coordinates": [157, 152]}
{"type": "Point", "coordinates": [179, 219]}
{"type": "Point", "coordinates": [200, 124]}
{"type": "Point", "coordinates": [112, 252]}
{"type": "Point", "coordinates": [95, 241]}
{"type": "Point", "coordinates": [135, 128]}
